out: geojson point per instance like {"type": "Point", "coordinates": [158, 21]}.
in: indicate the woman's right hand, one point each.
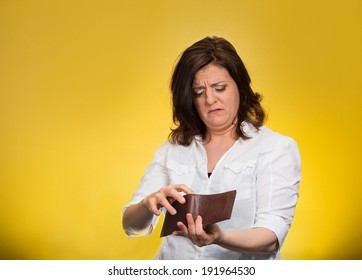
{"type": "Point", "coordinates": [164, 197]}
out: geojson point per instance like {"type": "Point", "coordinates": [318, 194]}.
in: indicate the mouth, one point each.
{"type": "Point", "coordinates": [215, 110]}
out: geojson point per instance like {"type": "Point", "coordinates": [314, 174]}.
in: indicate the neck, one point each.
{"type": "Point", "coordinates": [216, 144]}
{"type": "Point", "coordinates": [221, 135]}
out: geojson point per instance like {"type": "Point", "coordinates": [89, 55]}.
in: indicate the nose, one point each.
{"type": "Point", "coordinates": [211, 97]}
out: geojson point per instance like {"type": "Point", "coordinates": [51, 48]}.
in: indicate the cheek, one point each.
{"type": "Point", "coordinates": [232, 103]}
{"type": "Point", "coordinates": [236, 102]}
{"type": "Point", "coordinates": [236, 105]}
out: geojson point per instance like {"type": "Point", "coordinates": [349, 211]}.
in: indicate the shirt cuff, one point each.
{"type": "Point", "coordinates": [275, 224]}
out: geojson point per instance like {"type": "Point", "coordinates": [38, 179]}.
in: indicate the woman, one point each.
{"type": "Point", "coordinates": [219, 144]}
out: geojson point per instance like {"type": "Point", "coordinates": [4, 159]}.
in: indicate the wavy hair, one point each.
{"type": "Point", "coordinates": [210, 50]}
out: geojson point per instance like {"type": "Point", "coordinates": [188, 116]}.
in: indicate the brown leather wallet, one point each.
{"type": "Point", "coordinates": [212, 208]}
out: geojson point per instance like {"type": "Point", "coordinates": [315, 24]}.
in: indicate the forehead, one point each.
{"type": "Point", "coordinates": [211, 73]}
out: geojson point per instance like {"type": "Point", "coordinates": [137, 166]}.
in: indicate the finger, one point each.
{"type": "Point", "coordinates": [173, 192]}
{"type": "Point", "coordinates": [151, 206]}
{"type": "Point", "coordinates": [178, 233]}
{"type": "Point", "coordinates": [199, 229]}
{"type": "Point", "coordinates": [183, 188]}
{"type": "Point", "coordinates": [165, 203]}
{"type": "Point", "coordinates": [155, 210]}
{"type": "Point", "coordinates": [176, 196]}
{"type": "Point", "coordinates": [183, 228]}
{"type": "Point", "coordinates": [190, 224]}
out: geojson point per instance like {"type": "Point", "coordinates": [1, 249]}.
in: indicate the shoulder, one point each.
{"type": "Point", "coordinates": [280, 147]}
{"type": "Point", "coordinates": [169, 145]}
{"type": "Point", "coordinates": [271, 135]}
{"type": "Point", "coordinates": [267, 139]}
{"type": "Point", "coordinates": [168, 148]}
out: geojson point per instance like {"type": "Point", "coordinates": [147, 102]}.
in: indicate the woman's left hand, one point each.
{"type": "Point", "coordinates": [197, 233]}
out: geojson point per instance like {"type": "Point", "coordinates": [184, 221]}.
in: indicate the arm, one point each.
{"type": "Point", "coordinates": [138, 217]}
{"type": "Point", "coordinates": [256, 240]}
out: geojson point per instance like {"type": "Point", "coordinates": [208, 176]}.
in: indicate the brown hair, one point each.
{"type": "Point", "coordinates": [210, 50]}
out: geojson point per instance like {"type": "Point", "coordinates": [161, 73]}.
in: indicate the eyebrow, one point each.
{"type": "Point", "coordinates": [212, 85]}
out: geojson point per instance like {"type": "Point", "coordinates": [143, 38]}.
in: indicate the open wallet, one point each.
{"type": "Point", "coordinates": [212, 208]}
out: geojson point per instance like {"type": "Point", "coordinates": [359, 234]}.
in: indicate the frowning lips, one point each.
{"type": "Point", "coordinates": [214, 110]}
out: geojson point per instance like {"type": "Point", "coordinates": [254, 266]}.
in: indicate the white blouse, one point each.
{"type": "Point", "coordinates": [265, 171]}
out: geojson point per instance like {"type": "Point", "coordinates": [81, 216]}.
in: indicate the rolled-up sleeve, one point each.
{"type": "Point", "coordinates": [278, 178]}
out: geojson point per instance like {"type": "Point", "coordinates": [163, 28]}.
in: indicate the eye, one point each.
{"type": "Point", "coordinates": [220, 88]}
{"type": "Point", "coordinates": [198, 91]}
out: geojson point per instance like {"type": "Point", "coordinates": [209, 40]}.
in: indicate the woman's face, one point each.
{"type": "Point", "coordinates": [216, 98]}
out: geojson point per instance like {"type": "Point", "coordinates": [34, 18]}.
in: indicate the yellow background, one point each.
{"type": "Point", "coordinates": [84, 103]}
